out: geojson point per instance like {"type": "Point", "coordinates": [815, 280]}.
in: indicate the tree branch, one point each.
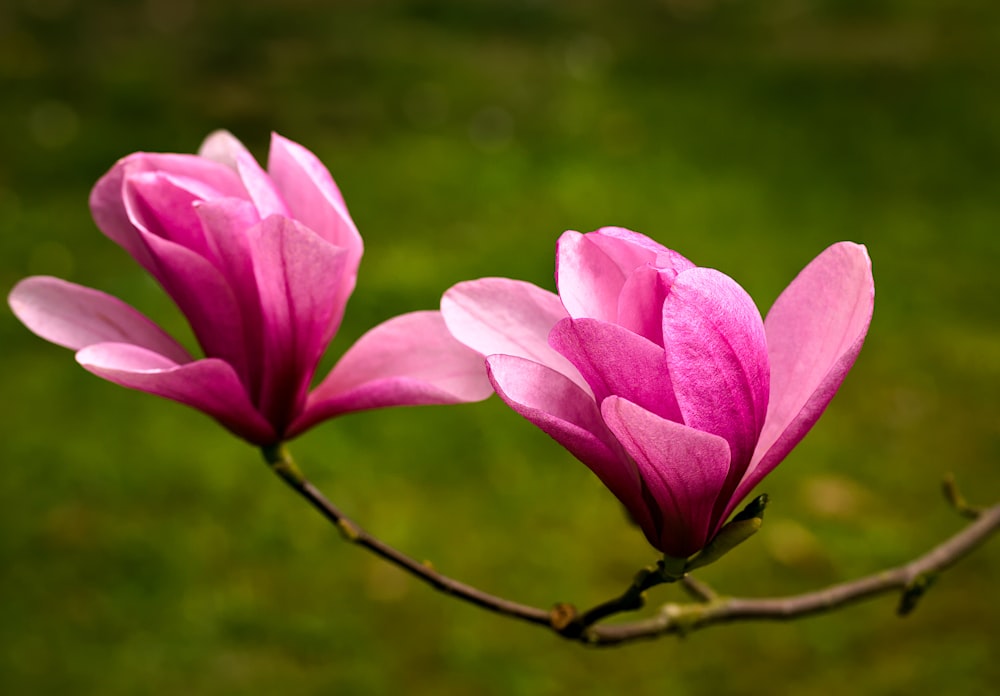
{"type": "Point", "coordinates": [911, 579]}
{"type": "Point", "coordinates": [283, 465]}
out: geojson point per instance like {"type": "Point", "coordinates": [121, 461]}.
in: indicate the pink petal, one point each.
{"type": "Point", "coordinates": [409, 360]}
{"type": "Point", "coordinates": [631, 250]}
{"type": "Point", "coordinates": [312, 197]}
{"type": "Point", "coordinates": [107, 202]}
{"type": "Point", "coordinates": [507, 317]}
{"type": "Point", "coordinates": [223, 147]}
{"type": "Point", "coordinates": [589, 280]}
{"type": "Point", "coordinates": [592, 269]}
{"type": "Point", "coordinates": [74, 316]}
{"type": "Point", "coordinates": [205, 298]}
{"type": "Point", "coordinates": [814, 333]}
{"type": "Point", "coordinates": [682, 469]}
{"type": "Point", "coordinates": [571, 417]}
{"type": "Point", "coordinates": [615, 361]}
{"type": "Point", "coordinates": [640, 303]}
{"type": "Point", "coordinates": [226, 223]}
{"type": "Point", "coordinates": [210, 386]}
{"type": "Point", "coordinates": [262, 191]}
{"type": "Point", "coordinates": [298, 274]}
{"type": "Point", "coordinates": [164, 206]}
{"type": "Point", "coordinates": [717, 357]}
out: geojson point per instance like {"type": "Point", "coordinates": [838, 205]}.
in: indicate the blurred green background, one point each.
{"type": "Point", "coordinates": [145, 550]}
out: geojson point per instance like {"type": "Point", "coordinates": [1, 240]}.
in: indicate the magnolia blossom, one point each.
{"type": "Point", "coordinates": [261, 263]}
{"type": "Point", "coordinates": [660, 376]}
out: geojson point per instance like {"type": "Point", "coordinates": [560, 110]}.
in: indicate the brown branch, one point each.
{"type": "Point", "coordinates": [283, 465]}
{"type": "Point", "coordinates": [911, 579]}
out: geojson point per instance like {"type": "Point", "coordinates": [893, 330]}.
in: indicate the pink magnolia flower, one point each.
{"type": "Point", "coordinates": [661, 376]}
{"type": "Point", "coordinates": [261, 263]}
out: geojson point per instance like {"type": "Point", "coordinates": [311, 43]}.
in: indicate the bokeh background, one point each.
{"type": "Point", "coordinates": [144, 550]}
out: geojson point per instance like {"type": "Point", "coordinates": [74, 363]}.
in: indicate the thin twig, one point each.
{"type": "Point", "coordinates": [281, 462]}
{"type": "Point", "coordinates": [911, 579]}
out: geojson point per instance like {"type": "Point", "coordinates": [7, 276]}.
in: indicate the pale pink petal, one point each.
{"type": "Point", "coordinates": [210, 386]}
{"type": "Point", "coordinates": [508, 317]}
{"type": "Point", "coordinates": [74, 316]}
{"type": "Point", "coordinates": [589, 280]}
{"type": "Point", "coordinates": [223, 147]}
{"type": "Point", "coordinates": [571, 417]}
{"type": "Point", "coordinates": [814, 333]}
{"type": "Point", "coordinates": [409, 360]}
{"type": "Point", "coordinates": [297, 273]}
{"type": "Point", "coordinates": [683, 471]}
{"type": "Point", "coordinates": [629, 249]}
{"type": "Point", "coordinates": [261, 189]}
{"type": "Point", "coordinates": [312, 196]}
{"type": "Point", "coordinates": [615, 361]}
{"type": "Point", "coordinates": [717, 356]}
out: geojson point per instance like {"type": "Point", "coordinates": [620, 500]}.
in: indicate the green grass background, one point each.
{"type": "Point", "coordinates": [143, 550]}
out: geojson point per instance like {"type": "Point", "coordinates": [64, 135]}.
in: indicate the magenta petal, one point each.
{"type": "Point", "coordinates": [683, 471]}
{"type": "Point", "coordinates": [408, 360]}
{"type": "Point", "coordinates": [814, 333]}
{"type": "Point", "coordinates": [74, 316]}
{"type": "Point", "coordinates": [107, 201]}
{"type": "Point", "coordinates": [298, 274]}
{"type": "Point", "coordinates": [508, 317]}
{"type": "Point", "coordinates": [205, 297]}
{"type": "Point", "coordinates": [616, 361]}
{"type": "Point", "coordinates": [570, 416]}
{"type": "Point", "coordinates": [210, 386]}
{"type": "Point", "coordinates": [717, 357]}
{"type": "Point", "coordinates": [165, 206]}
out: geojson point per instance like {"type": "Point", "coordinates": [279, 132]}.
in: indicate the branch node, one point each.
{"type": "Point", "coordinates": [914, 590]}
{"type": "Point", "coordinates": [348, 529]}
{"type": "Point", "coordinates": [562, 618]}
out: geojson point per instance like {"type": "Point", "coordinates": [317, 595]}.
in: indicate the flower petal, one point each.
{"type": "Point", "coordinates": [74, 316]}
{"type": "Point", "coordinates": [717, 357]}
{"type": "Point", "coordinates": [205, 298]}
{"type": "Point", "coordinates": [259, 186]}
{"type": "Point", "coordinates": [408, 360]}
{"type": "Point", "coordinates": [210, 386]}
{"type": "Point", "coordinates": [682, 469]}
{"type": "Point", "coordinates": [592, 269]}
{"type": "Point", "coordinates": [814, 333]}
{"type": "Point", "coordinates": [570, 416]}
{"type": "Point", "coordinates": [312, 196]}
{"type": "Point", "coordinates": [298, 274]}
{"type": "Point", "coordinates": [507, 317]}
{"type": "Point", "coordinates": [640, 303]}
{"type": "Point", "coordinates": [223, 147]}
{"type": "Point", "coordinates": [615, 361]}
{"type": "Point", "coordinates": [107, 201]}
